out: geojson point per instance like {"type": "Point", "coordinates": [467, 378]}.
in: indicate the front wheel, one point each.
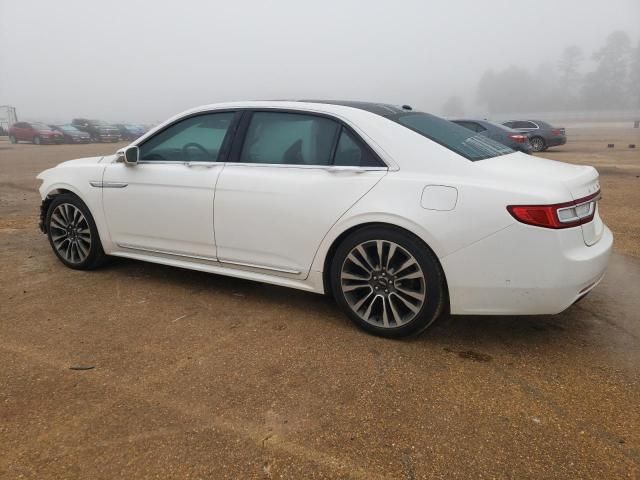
{"type": "Point", "coordinates": [387, 281]}
{"type": "Point", "coordinates": [36, 140]}
{"type": "Point", "coordinates": [13, 139]}
{"type": "Point", "coordinates": [73, 234]}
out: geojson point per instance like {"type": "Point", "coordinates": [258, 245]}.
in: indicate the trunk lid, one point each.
{"type": "Point", "coordinates": [579, 180]}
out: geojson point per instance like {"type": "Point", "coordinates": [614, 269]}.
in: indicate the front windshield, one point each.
{"type": "Point", "coordinates": [40, 126]}
{"type": "Point", "coordinates": [470, 145]}
{"type": "Point", "coordinates": [68, 128]}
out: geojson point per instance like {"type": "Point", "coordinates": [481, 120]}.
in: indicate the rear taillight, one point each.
{"type": "Point", "coordinates": [559, 215]}
{"type": "Point", "coordinates": [557, 131]}
{"type": "Point", "coordinates": [518, 138]}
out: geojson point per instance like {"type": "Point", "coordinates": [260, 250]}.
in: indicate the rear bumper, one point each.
{"type": "Point", "coordinates": [555, 141]}
{"type": "Point", "coordinates": [525, 148]}
{"type": "Point", "coordinates": [524, 270]}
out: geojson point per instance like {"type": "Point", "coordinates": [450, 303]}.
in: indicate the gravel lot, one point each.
{"type": "Point", "coordinates": [201, 376]}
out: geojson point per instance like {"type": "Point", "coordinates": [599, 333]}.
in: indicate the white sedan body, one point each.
{"type": "Point", "coordinates": [278, 223]}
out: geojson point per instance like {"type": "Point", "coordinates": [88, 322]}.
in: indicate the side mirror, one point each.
{"type": "Point", "coordinates": [129, 155]}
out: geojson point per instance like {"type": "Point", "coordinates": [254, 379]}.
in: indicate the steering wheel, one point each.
{"type": "Point", "coordinates": [186, 147]}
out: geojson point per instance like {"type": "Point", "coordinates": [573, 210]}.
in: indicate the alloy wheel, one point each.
{"type": "Point", "coordinates": [383, 283]}
{"type": "Point", "coordinates": [537, 144]}
{"type": "Point", "coordinates": [70, 233]}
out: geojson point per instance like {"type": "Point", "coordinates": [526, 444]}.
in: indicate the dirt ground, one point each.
{"type": "Point", "coordinates": [201, 376]}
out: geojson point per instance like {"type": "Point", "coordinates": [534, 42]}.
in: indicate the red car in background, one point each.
{"type": "Point", "coordinates": [34, 132]}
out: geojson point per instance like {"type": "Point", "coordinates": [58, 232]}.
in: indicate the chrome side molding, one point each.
{"type": "Point", "coordinates": [101, 184]}
{"type": "Point", "coordinates": [208, 259]}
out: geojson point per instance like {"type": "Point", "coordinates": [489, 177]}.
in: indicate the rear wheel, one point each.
{"type": "Point", "coordinates": [73, 234]}
{"type": "Point", "coordinates": [537, 144]}
{"type": "Point", "coordinates": [36, 140]}
{"type": "Point", "coordinates": [387, 281]}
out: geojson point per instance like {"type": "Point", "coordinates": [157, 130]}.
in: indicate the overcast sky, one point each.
{"type": "Point", "coordinates": [144, 61]}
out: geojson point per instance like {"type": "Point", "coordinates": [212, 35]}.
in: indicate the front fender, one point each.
{"type": "Point", "coordinates": [76, 181]}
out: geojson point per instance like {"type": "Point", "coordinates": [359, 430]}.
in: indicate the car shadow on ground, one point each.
{"type": "Point", "coordinates": [449, 331]}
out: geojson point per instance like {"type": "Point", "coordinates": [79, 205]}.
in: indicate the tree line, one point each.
{"type": "Point", "coordinates": [612, 83]}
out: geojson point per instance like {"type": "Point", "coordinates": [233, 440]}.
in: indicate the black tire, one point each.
{"type": "Point", "coordinates": [433, 284]}
{"type": "Point", "coordinates": [96, 256]}
{"type": "Point", "coordinates": [13, 139]}
{"type": "Point", "coordinates": [36, 140]}
{"type": "Point", "coordinates": [538, 144]}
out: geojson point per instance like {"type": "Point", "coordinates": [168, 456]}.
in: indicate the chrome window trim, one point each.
{"type": "Point", "coordinates": [178, 162]}
{"type": "Point", "coordinates": [390, 164]}
{"type": "Point", "coordinates": [331, 168]}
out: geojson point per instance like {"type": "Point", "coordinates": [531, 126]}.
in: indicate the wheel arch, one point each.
{"type": "Point", "coordinates": [46, 202]}
{"type": "Point", "coordinates": [330, 252]}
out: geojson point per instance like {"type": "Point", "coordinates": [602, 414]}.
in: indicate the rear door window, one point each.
{"type": "Point", "coordinates": [351, 153]}
{"type": "Point", "coordinates": [282, 138]}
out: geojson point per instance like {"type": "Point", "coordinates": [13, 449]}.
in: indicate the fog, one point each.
{"type": "Point", "coordinates": [144, 61]}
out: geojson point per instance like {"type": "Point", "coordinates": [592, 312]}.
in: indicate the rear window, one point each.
{"type": "Point", "coordinates": [467, 143]}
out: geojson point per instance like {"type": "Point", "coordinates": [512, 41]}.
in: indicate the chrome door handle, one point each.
{"type": "Point", "coordinates": [201, 164]}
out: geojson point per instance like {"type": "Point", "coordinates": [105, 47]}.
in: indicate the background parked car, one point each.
{"type": "Point", "coordinates": [34, 132]}
{"type": "Point", "coordinates": [71, 134]}
{"type": "Point", "coordinates": [99, 130]}
{"type": "Point", "coordinates": [505, 135]}
{"type": "Point", "coordinates": [130, 131]}
{"type": "Point", "coordinates": [541, 134]}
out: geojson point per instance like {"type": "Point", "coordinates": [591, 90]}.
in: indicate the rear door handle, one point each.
{"type": "Point", "coordinates": [346, 169]}
{"type": "Point", "coordinates": [201, 164]}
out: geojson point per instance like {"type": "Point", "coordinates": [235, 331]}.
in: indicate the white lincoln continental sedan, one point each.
{"type": "Point", "coordinates": [398, 214]}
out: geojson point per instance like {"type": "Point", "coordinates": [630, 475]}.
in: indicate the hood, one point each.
{"type": "Point", "coordinates": [80, 161]}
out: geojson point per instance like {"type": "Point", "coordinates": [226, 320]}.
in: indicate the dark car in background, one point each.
{"type": "Point", "coordinates": [541, 134]}
{"type": "Point", "coordinates": [130, 131]}
{"type": "Point", "coordinates": [35, 132]}
{"type": "Point", "coordinates": [505, 135]}
{"type": "Point", "coordinates": [71, 134]}
{"type": "Point", "coordinates": [98, 130]}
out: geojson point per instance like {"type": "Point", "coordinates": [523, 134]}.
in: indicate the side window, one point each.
{"type": "Point", "coordinates": [478, 128]}
{"type": "Point", "coordinates": [529, 125]}
{"type": "Point", "coordinates": [509, 124]}
{"type": "Point", "coordinates": [350, 153]}
{"type": "Point", "coordinates": [195, 139]}
{"type": "Point", "coordinates": [288, 138]}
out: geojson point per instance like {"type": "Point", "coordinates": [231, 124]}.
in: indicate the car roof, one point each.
{"type": "Point", "coordinates": [383, 109]}
{"type": "Point", "coordinates": [326, 106]}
